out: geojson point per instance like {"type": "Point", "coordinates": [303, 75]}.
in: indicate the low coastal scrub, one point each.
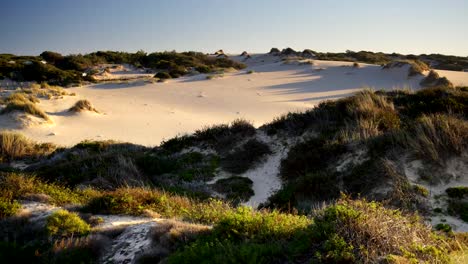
{"type": "Point", "coordinates": [349, 231]}
{"type": "Point", "coordinates": [56, 69]}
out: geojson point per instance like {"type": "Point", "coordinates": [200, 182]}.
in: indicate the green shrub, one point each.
{"type": "Point", "coordinates": [235, 188]}
{"type": "Point", "coordinates": [8, 207]}
{"type": "Point", "coordinates": [421, 190]}
{"type": "Point", "coordinates": [203, 69]}
{"type": "Point", "coordinates": [163, 75]}
{"type": "Point", "coordinates": [64, 223]}
{"type": "Point", "coordinates": [459, 192]}
{"type": "Point", "coordinates": [310, 156]}
{"type": "Point", "coordinates": [458, 208]}
{"type": "Point", "coordinates": [444, 227]}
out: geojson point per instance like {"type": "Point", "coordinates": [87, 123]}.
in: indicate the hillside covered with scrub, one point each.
{"type": "Point", "coordinates": [375, 177]}
{"type": "Point", "coordinates": [57, 69]}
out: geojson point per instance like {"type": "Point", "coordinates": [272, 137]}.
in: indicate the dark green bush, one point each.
{"type": "Point", "coordinates": [238, 189]}
{"type": "Point", "coordinates": [459, 192]}
{"type": "Point", "coordinates": [310, 156]}
{"type": "Point", "coordinates": [244, 157]}
{"type": "Point", "coordinates": [163, 75]}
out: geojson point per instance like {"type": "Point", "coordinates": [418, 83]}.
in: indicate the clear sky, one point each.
{"type": "Point", "coordinates": [28, 27]}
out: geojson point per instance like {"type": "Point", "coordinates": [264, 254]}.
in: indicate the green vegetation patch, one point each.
{"type": "Point", "coordinates": [63, 223]}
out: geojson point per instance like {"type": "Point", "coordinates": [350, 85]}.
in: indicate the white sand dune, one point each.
{"type": "Point", "coordinates": [147, 113]}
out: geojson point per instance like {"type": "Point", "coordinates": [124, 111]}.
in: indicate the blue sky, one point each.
{"type": "Point", "coordinates": [72, 26]}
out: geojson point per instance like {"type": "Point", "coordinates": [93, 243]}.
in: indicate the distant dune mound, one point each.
{"type": "Point", "coordinates": [244, 54]}
{"type": "Point", "coordinates": [274, 51]}
{"type": "Point", "coordinates": [307, 53]}
{"type": "Point", "coordinates": [415, 67]}
{"type": "Point", "coordinates": [289, 52]}
{"type": "Point", "coordinates": [219, 52]}
{"type": "Point", "coordinates": [434, 80]}
{"type": "Point", "coordinates": [83, 106]}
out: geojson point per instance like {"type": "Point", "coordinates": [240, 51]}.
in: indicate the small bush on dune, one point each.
{"type": "Point", "coordinates": [163, 75]}
{"type": "Point", "coordinates": [64, 223]}
{"type": "Point", "coordinates": [83, 105]}
{"type": "Point", "coordinates": [224, 137]}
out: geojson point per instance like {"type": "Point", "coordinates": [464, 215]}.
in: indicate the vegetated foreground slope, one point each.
{"type": "Point", "coordinates": [375, 158]}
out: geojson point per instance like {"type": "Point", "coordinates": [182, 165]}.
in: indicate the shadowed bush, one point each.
{"type": "Point", "coordinates": [237, 189]}
{"type": "Point", "coordinates": [244, 157]}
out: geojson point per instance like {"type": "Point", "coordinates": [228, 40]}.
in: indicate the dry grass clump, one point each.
{"type": "Point", "coordinates": [16, 146]}
{"type": "Point", "coordinates": [46, 91]}
{"type": "Point", "coordinates": [21, 97]}
{"type": "Point", "coordinates": [371, 115]}
{"type": "Point", "coordinates": [83, 105]}
{"type": "Point", "coordinates": [437, 137]}
{"type": "Point", "coordinates": [171, 235]}
{"type": "Point", "coordinates": [88, 248]}
{"type": "Point", "coordinates": [137, 201]}
{"type": "Point", "coordinates": [23, 103]}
